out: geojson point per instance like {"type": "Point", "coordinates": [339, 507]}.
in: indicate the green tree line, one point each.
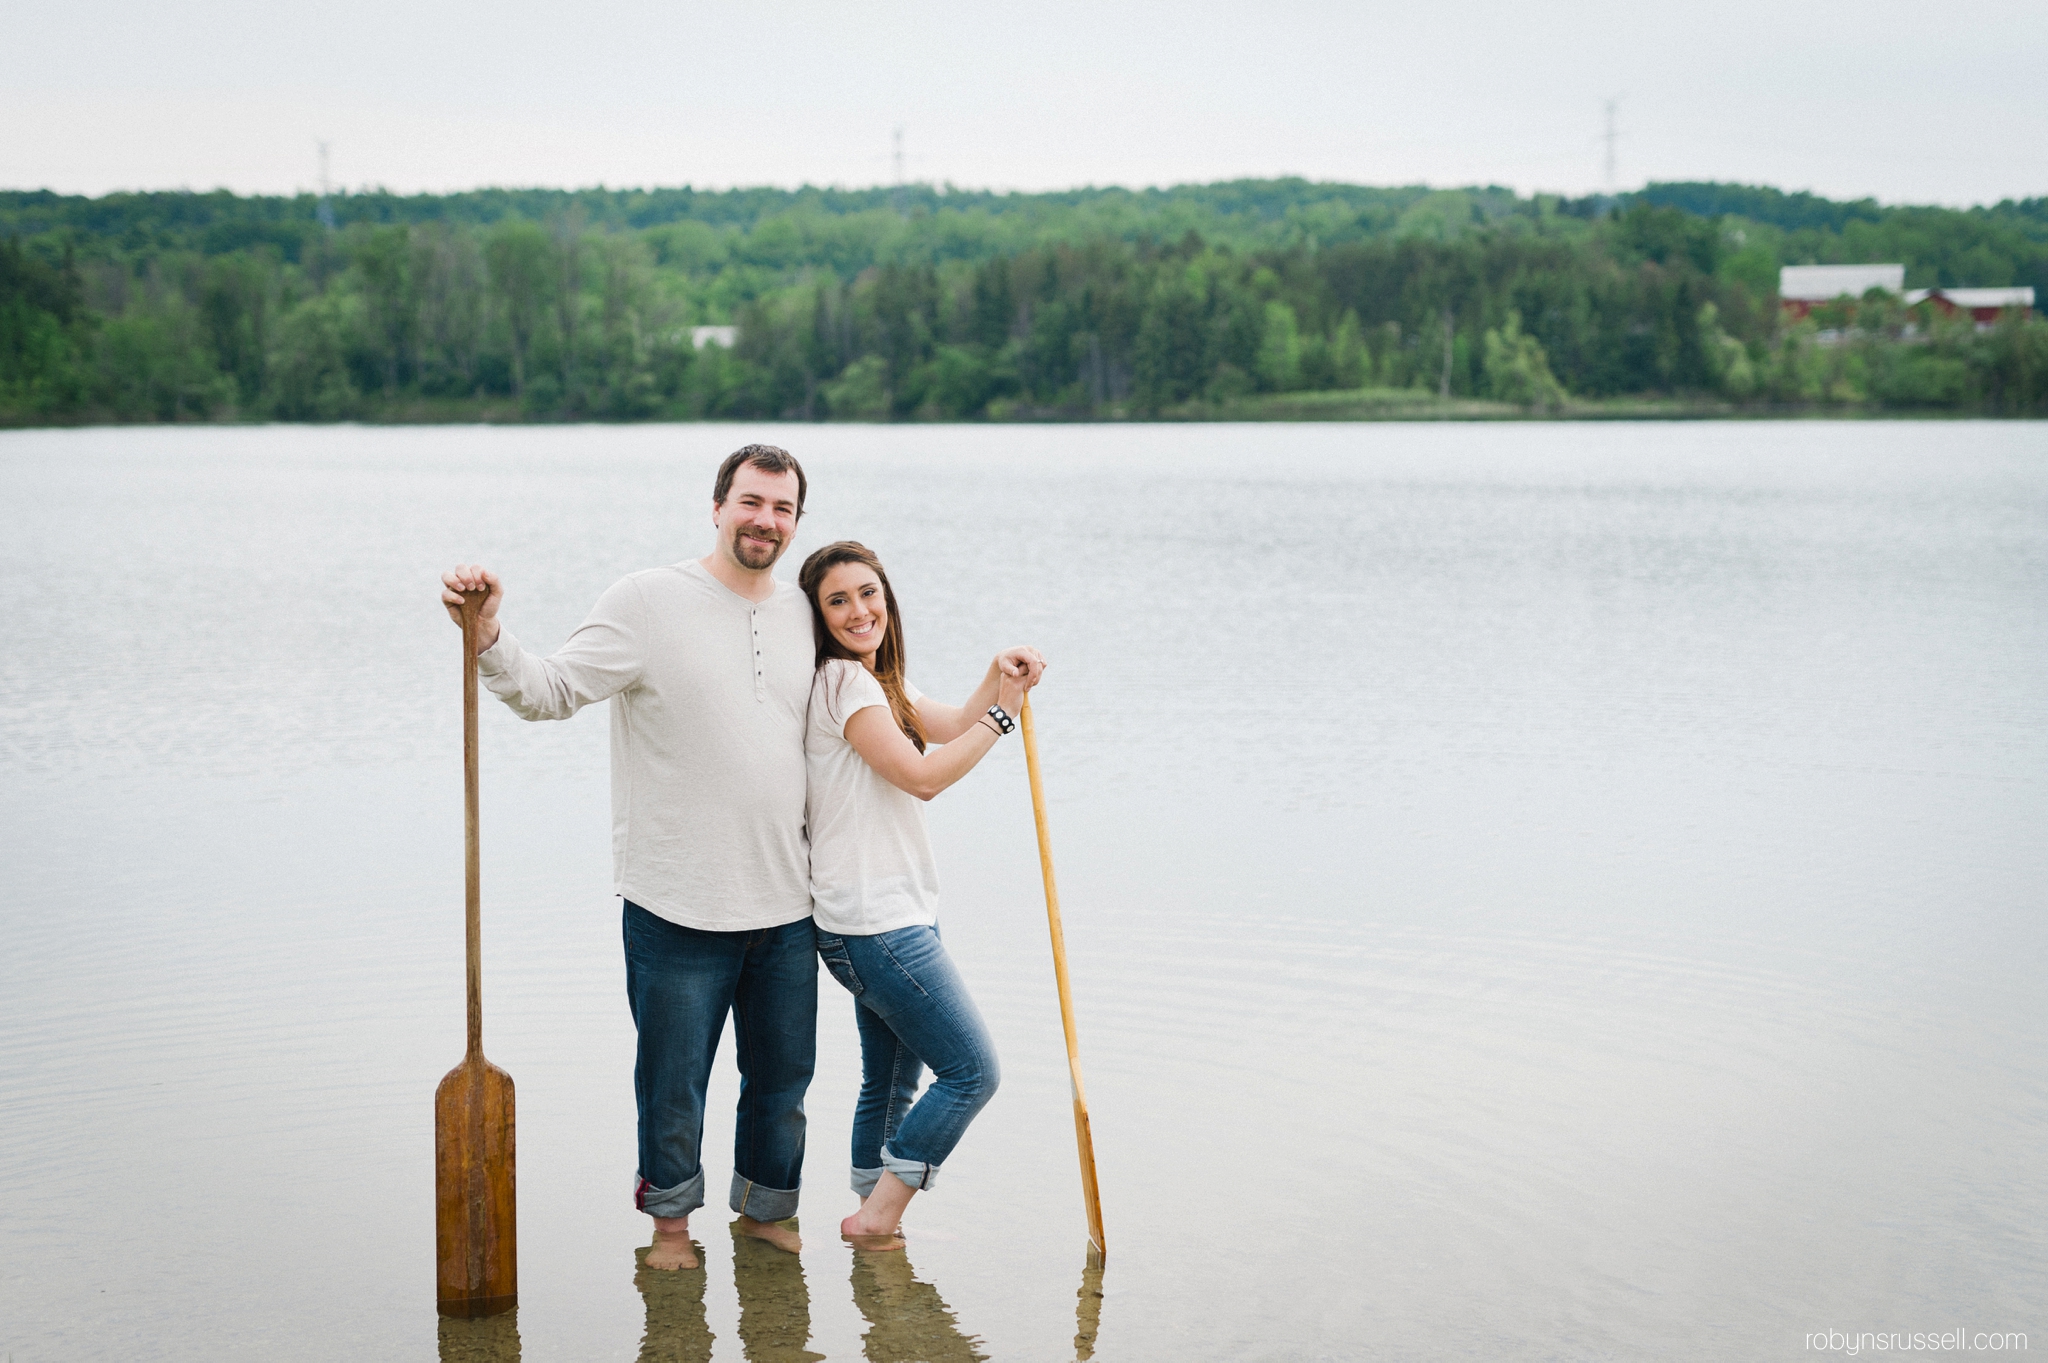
{"type": "Point", "coordinates": [923, 302]}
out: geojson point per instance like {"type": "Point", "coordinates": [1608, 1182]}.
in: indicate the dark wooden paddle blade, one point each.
{"type": "Point", "coordinates": [475, 1234]}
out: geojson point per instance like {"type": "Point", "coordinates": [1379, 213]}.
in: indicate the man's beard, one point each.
{"type": "Point", "coordinates": [752, 554]}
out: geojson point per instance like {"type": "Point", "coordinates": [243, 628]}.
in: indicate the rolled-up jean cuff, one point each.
{"type": "Point", "coordinates": [916, 1173]}
{"type": "Point", "coordinates": [864, 1181]}
{"type": "Point", "coordinates": [762, 1202]}
{"type": "Point", "coordinates": [680, 1200]}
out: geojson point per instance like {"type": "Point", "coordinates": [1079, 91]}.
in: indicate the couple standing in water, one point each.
{"type": "Point", "coordinates": [770, 760]}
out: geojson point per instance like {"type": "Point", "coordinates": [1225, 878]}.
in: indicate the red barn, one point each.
{"type": "Point", "coordinates": [1983, 305]}
{"type": "Point", "coordinates": [1803, 287]}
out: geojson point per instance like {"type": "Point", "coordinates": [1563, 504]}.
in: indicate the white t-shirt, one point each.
{"type": "Point", "coordinates": [708, 693]}
{"type": "Point", "coordinates": [871, 856]}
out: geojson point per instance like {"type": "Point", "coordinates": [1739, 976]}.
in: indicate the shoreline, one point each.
{"type": "Point", "coordinates": [1364, 406]}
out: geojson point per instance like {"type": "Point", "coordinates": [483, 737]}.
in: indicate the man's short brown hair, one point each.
{"type": "Point", "coordinates": [768, 459]}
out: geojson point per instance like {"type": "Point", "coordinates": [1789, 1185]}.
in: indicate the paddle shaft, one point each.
{"type": "Point", "coordinates": [472, 858]}
{"type": "Point", "coordinates": [1084, 1138]}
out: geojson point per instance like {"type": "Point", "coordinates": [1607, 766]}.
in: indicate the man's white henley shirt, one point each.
{"type": "Point", "coordinates": [709, 692]}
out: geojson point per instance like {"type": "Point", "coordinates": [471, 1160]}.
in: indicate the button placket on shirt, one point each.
{"type": "Point", "coordinates": [760, 673]}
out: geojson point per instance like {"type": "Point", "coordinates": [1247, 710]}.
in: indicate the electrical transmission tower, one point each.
{"type": "Point", "coordinates": [896, 163]}
{"type": "Point", "coordinates": [1608, 137]}
{"type": "Point", "coordinates": [326, 210]}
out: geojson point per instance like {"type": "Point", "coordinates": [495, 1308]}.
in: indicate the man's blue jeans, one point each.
{"type": "Point", "coordinates": [913, 1012]}
{"type": "Point", "coordinates": [681, 983]}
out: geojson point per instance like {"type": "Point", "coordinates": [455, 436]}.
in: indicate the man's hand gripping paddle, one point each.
{"type": "Point", "coordinates": [476, 1243]}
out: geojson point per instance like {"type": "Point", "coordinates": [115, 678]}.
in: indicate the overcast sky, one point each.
{"type": "Point", "coordinates": [1910, 102]}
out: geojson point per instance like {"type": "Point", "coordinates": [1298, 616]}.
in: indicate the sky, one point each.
{"type": "Point", "coordinates": [1906, 102]}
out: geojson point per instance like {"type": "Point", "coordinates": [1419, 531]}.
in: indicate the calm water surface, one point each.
{"type": "Point", "coordinates": [1533, 892]}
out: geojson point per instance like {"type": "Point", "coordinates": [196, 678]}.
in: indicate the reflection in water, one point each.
{"type": "Point", "coordinates": [775, 1303]}
{"type": "Point", "coordinates": [487, 1339]}
{"type": "Point", "coordinates": [908, 1322]}
{"type": "Point", "coordinates": [1088, 1309]}
{"type": "Point", "coordinates": [676, 1329]}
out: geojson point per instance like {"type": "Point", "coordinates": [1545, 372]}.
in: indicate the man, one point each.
{"type": "Point", "coordinates": [708, 664]}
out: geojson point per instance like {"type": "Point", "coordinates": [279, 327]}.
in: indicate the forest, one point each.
{"type": "Point", "coordinates": [921, 302]}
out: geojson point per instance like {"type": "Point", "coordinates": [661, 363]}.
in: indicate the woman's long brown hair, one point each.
{"type": "Point", "coordinates": [889, 658]}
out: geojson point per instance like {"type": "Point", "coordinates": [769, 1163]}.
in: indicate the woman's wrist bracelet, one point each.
{"type": "Point", "coordinates": [990, 725]}
{"type": "Point", "coordinates": [1002, 718]}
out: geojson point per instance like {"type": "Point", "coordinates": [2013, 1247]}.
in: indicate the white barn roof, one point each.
{"type": "Point", "coordinates": [1819, 283]}
{"type": "Point", "coordinates": [2019, 297]}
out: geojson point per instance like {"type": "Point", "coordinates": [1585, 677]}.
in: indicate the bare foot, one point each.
{"type": "Point", "coordinates": [781, 1234]}
{"type": "Point", "coordinates": [858, 1233]}
{"type": "Point", "coordinates": [671, 1250]}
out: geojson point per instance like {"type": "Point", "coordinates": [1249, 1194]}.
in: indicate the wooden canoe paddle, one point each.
{"type": "Point", "coordinates": [1083, 1136]}
{"type": "Point", "coordinates": [476, 1242]}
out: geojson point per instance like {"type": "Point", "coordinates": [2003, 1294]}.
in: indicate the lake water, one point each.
{"type": "Point", "coordinates": [1533, 891]}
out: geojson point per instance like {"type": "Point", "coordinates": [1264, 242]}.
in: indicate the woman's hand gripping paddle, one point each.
{"type": "Point", "coordinates": [476, 1242]}
{"type": "Point", "coordinates": [1082, 1135]}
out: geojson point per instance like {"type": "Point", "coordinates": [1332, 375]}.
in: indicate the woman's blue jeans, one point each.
{"type": "Point", "coordinates": [681, 982]}
{"type": "Point", "coordinates": [914, 1014]}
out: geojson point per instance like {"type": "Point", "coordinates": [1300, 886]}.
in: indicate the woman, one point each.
{"type": "Point", "coordinates": [874, 888]}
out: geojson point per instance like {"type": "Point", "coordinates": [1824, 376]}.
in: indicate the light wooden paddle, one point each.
{"type": "Point", "coordinates": [476, 1242]}
{"type": "Point", "coordinates": [1083, 1137]}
